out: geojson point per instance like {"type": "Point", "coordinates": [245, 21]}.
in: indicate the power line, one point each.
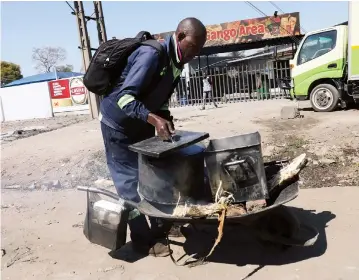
{"type": "Point", "coordinates": [254, 7]}
{"type": "Point", "coordinates": [264, 14]}
{"type": "Point", "coordinates": [70, 6]}
{"type": "Point", "coordinates": [276, 6]}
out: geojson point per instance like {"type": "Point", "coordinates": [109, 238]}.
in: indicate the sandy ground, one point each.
{"type": "Point", "coordinates": [41, 230]}
{"type": "Point", "coordinates": [15, 130]}
{"type": "Point", "coordinates": [46, 224]}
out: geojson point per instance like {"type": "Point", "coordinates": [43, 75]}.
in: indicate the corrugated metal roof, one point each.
{"type": "Point", "coordinates": [260, 55]}
{"type": "Point", "coordinates": [43, 78]}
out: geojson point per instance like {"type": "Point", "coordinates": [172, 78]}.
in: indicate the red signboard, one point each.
{"type": "Point", "coordinates": [249, 30]}
{"type": "Point", "coordinates": [59, 89]}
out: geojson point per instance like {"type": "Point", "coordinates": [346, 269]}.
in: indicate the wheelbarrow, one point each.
{"type": "Point", "coordinates": [275, 223]}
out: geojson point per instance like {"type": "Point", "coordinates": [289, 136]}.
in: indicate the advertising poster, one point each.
{"type": "Point", "coordinates": [78, 91]}
{"type": "Point", "coordinates": [60, 93]}
{"type": "Point", "coordinates": [68, 92]}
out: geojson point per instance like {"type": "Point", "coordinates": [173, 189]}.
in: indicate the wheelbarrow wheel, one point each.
{"type": "Point", "coordinates": [277, 226]}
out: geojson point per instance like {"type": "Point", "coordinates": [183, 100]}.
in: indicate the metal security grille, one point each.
{"type": "Point", "coordinates": [234, 84]}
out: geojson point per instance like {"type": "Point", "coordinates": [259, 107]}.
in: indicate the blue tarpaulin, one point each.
{"type": "Point", "coordinates": [43, 78]}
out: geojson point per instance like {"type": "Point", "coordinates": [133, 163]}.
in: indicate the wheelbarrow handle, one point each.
{"type": "Point", "coordinates": [99, 191]}
{"type": "Point", "coordinates": [107, 193]}
{"type": "Point", "coordinates": [234, 163]}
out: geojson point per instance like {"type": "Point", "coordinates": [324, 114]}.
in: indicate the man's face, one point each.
{"type": "Point", "coordinates": [190, 46]}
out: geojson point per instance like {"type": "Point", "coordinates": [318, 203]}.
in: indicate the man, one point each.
{"type": "Point", "coordinates": [261, 85]}
{"type": "Point", "coordinates": [207, 91]}
{"type": "Point", "coordinates": [135, 109]}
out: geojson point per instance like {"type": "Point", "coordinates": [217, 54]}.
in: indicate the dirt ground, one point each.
{"type": "Point", "coordinates": [15, 130]}
{"type": "Point", "coordinates": [42, 214]}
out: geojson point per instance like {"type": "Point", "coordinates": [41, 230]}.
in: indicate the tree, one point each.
{"type": "Point", "coordinates": [64, 68]}
{"type": "Point", "coordinates": [48, 57]}
{"type": "Point", "coordinates": [9, 72]}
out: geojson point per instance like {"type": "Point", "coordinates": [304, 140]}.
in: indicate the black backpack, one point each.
{"type": "Point", "coordinates": [110, 59]}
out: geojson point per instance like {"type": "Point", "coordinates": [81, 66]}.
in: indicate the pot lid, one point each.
{"type": "Point", "coordinates": [155, 147]}
{"type": "Point", "coordinates": [191, 150]}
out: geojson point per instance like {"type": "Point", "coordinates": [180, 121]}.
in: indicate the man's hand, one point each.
{"type": "Point", "coordinates": [163, 127]}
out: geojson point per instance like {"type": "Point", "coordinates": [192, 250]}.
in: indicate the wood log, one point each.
{"type": "Point", "coordinates": [288, 172]}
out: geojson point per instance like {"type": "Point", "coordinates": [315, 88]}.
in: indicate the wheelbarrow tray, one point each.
{"type": "Point", "coordinates": [286, 195]}
{"type": "Point", "coordinates": [165, 212]}
{"type": "Point", "coordinates": [303, 235]}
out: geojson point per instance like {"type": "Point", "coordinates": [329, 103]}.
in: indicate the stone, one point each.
{"type": "Point", "coordinates": [107, 269]}
{"type": "Point", "coordinates": [289, 112]}
{"type": "Point", "coordinates": [327, 161]}
{"type": "Point", "coordinates": [103, 183]}
{"type": "Point", "coordinates": [32, 187]}
{"type": "Point", "coordinates": [29, 128]}
{"type": "Point", "coordinates": [256, 205]}
{"type": "Point", "coordinates": [54, 184]}
{"type": "Point", "coordinates": [344, 181]}
{"type": "Point", "coordinates": [12, 187]}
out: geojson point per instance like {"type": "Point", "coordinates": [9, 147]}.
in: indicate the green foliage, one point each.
{"type": "Point", "coordinates": [9, 72]}
{"type": "Point", "coordinates": [65, 68]}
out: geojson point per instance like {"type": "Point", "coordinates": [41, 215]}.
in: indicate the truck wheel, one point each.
{"type": "Point", "coordinates": [324, 98]}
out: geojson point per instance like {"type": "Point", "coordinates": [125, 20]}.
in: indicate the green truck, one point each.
{"type": "Point", "coordinates": [325, 67]}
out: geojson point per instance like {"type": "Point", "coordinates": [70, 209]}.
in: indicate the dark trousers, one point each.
{"type": "Point", "coordinates": [207, 94]}
{"type": "Point", "coordinates": [123, 166]}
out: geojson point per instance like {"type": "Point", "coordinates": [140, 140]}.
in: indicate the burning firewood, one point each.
{"type": "Point", "coordinates": [224, 199]}
{"type": "Point", "coordinates": [288, 172]}
{"type": "Point", "coordinates": [224, 207]}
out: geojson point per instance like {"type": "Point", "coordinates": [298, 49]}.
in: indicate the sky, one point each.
{"type": "Point", "coordinates": [26, 25]}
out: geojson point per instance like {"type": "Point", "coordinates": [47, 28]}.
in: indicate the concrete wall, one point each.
{"type": "Point", "coordinates": [26, 102]}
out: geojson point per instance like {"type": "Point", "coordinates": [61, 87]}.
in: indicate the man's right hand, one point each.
{"type": "Point", "coordinates": [163, 127]}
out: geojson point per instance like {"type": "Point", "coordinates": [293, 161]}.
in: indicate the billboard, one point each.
{"type": "Point", "coordinates": [68, 92]}
{"type": "Point", "coordinates": [60, 93]}
{"type": "Point", "coordinates": [78, 91]}
{"type": "Point", "coordinates": [249, 30]}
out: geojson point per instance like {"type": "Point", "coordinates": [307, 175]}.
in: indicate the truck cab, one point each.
{"type": "Point", "coordinates": [319, 66]}
{"type": "Point", "coordinates": [325, 67]}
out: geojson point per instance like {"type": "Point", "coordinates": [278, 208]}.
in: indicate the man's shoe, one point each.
{"type": "Point", "coordinates": [158, 249]}
{"type": "Point", "coordinates": [175, 231]}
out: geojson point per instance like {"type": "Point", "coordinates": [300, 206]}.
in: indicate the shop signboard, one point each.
{"type": "Point", "coordinates": [249, 30]}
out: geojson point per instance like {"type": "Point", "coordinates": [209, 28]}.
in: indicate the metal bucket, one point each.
{"type": "Point", "coordinates": [236, 164]}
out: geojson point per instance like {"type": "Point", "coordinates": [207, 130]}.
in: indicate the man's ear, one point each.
{"type": "Point", "coordinates": [181, 36]}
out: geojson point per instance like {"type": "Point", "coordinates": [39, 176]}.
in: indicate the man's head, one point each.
{"type": "Point", "coordinates": [191, 35]}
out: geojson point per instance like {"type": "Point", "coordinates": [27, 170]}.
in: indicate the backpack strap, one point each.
{"type": "Point", "coordinates": [144, 35]}
{"type": "Point", "coordinates": [154, 44]}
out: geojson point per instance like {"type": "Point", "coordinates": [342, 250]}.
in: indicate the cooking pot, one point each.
{"type": "Point", "coordinates": [236, 164]}
{"type": "Point", "coordinates": [174, 179]}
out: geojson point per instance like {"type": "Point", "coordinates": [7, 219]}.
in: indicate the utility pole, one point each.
{"type": "Point", "coordinates": [94, 100]}
{"type": "Point", "coordinates": [101, 29]}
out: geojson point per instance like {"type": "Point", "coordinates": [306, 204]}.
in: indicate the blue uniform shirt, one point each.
{"type": "Point", "coordinates": [127, 107]}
